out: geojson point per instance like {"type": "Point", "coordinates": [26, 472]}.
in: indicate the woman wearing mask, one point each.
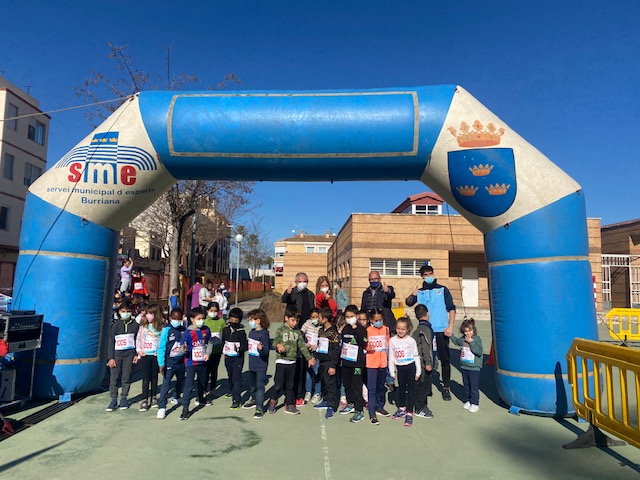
{"type": "Point", "coordinates": [323, 296]}
{"type": "Point", "coordinates": [342, 299]}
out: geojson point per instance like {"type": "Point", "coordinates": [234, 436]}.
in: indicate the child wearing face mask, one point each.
{"type": "Point", "coordinates": [378, 337]}
{"type": "Point", "coordinates": [234, 341]}
{"type": "Point", "coordinates": [259, 345]}
{"type": "Point", "coordinates": [354, 345]}
{"type": "Point", "coordinates": [171, 359]}
{"type": "Point", "coordinates": [196, 345]}
{"type": "Point", "coordinates": [216, 324]}
{"type": "Point", "coordinates": [122, 355]}
{"type": "Point", "coordinates": [310, 331]}
{"type": "Point", "coordinates": [147, 342]}
{"type": "Point", "coordinates": [324, 296]}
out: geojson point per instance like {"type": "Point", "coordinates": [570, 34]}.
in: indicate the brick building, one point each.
{"type": "Point", "coordinates": [621, 264]}
{"type": "Point", "coordinates": [301, 253]}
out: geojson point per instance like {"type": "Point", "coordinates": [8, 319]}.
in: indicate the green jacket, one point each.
{"type": "Point", "coordinates": [476, 349]}
{"type": "Point", "coordinates": [293, 342]}
{"type": "Point", "coordinates": [215, 325]}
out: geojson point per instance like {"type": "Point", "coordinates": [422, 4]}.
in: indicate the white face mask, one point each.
{"type": "Point", "coordinates": [302, 285]}
{"type": "Point", "coordinates": [212, 314]}
{"type": "Point", "coordinates": [324, 289]}
{"type": "Point", "coordinates": [199, 323]}
{"type": "Point", "coordinates": [352, 320]}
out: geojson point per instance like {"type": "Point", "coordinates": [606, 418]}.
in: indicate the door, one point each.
{"type": "Point", "coordinates": [470, 286]}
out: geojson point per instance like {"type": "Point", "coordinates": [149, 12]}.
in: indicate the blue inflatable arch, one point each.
{"type": "Point", "coordinates": [531, 213]}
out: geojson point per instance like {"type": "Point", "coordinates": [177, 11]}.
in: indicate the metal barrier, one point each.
{"type": "Point", "coordinates": [628, 323]}
{"type": "Point", "coordinates": [605, 381]}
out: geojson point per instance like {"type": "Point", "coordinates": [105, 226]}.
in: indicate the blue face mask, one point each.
{"type": "Point", "coordinates": [252, 324]}
{"type": "Point", "coordinates": [374, 285]}
{"type": "Point", "coordinates": [378, 324]}
{"type": "Point", "coordinates": [176, 323]}
{"type": "Point", "coordinates": [429, 280]}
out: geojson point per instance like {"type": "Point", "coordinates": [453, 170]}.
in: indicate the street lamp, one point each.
{"type": "Point", "coordinates": [238, 238]}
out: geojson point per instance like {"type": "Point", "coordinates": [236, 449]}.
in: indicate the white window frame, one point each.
{"type": "Point", "coordinates": [394, 267]}
{"type": "Point", "coordinates": [309, 249]}
{"type": "Point", "coordinates": [36, 132]}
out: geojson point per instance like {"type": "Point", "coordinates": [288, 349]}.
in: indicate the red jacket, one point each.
{"type": "Point", "coordinates": [324, 302]}
{"type": "Point", "coordinates": [139, 286]}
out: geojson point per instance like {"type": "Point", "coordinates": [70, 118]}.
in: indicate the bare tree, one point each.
{"type": "Point", "coordinates": [256, 247]}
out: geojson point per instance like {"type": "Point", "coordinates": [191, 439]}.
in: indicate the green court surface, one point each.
{"type": "Point", "coordinates": [84, 441]}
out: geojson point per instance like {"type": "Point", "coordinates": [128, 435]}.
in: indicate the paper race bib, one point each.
{"type": "Point", "coordinates": [150, 344]}
{"type": "Point", "coordinates": [137, 286]}
{"type": "Point", "coordinates": [323, 345]}
{"type": "Point", "coordinates": [197, 354]}
{"type": "Point", "coordinates": [378, 343]}
{"type": "Point", "coordinates": [349, 352]}
{"type": "Point", "coordinates": [125, 341]}
{"type": "Point", "coordinates": [176, 350]}
{"type": "Point", "coordinates": [253, 347]}
{"type": "Point", "coordinates": [216, 338]}
{"type": "Point", "coordinates": [466, 355]}
{"type": "Point", "coordinates": [312, 338]}
{"type": "Point", "coordinates": [404, 354]}
{"type": "Point", "coordinates": [230, 349]}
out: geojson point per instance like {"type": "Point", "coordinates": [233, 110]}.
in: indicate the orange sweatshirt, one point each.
{"type": "Point", "coordinates": [377, 346]}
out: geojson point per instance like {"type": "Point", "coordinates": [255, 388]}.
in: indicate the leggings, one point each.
{"type": "Point", "coordinates": [150, 371]}
{"type": "Point", "coordinates": [407, 386]}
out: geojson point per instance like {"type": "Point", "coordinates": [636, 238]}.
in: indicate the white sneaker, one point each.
{"type": "Point", "coordinates": [474, 408]}
{"type": "Point", "coordinates": [307, 396]}
{"type": "Point", "coordinates": [466, 406]}
{"type": "Point", "coordinates": [161, 413]}
{"type": "Point", "coordinates": [174, 401]}
{"type": "Point", "coordinates": [316, 398]}
{"type": "Point", "coordinates": [343, 400]}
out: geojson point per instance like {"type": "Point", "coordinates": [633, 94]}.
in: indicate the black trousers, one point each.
{"type": "Point", "coordinates": [285, 379]}
{"type": "Point", "coordinates": [122, 372]}
{"type": "Point", "coordinates": [442, 342]}
{"type": "Point", "coordinates": [212, 369]}
{"type": "Point", "coordinates": [352, 379]}
{"type": "Point", "coordinates": [330, 386]}
{"type": "Point", "coordinates": [150, 371]}
{"type": "Point", "coordinates": [234, 370]}
{"type": "Point", "coordinates": [407, 386]}
{"type": "Point", "coordinates": [300, 378]}
{"type": "Point", "coordinates": [422, 389]}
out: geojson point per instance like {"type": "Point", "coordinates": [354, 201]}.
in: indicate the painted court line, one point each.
{"type": "Point", "coordinates": [325, 447]}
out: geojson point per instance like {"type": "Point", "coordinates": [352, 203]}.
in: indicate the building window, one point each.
{"type": "Point", "coordinates": [309, 249]}
{"type": "Point", "coordinates": [427, 209]}
{"type": "Point", "coordinates": [31, 173]}
{"type": "Point", "coordinates": [12, 113]}
{"type": "Point", "coordinates": [36, 132]}
{"type": "Point", "coordinates": [7, 166]}
{"type": "Point", "coordinates": [322, 249]}
{"type": "Point", "coordinates": [4, 218]}
{"type": "Point", "coordinates": [396, 268]}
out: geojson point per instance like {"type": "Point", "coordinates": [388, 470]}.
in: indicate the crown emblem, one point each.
{"type": "Point", "coordinates": [497, 189]}
{"type": "Point", "coordinates": [481, 170]}
{"type": "Point", "coordinates": [478, 135]}
{"type": "Point", "coordinates": [467, 191]}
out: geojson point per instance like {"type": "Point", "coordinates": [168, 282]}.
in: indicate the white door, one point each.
{"type": "Point", "coordinates": [470, 286]}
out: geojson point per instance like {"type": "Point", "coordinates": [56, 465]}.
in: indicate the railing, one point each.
{"type": "Point", "coordinates": [624, 323]}
{"type": "Point", "coordinates": [605, 381]}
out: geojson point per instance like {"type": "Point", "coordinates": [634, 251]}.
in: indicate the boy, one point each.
{"type": "Point", "coordinates": [171, 359]}
{"type": "Point", "coordinates": [216, 325]}
{"type": "Point", "coordinates": [328, 352]}
{"type": "Point", "coordinates": [122, 356]}
{"type": "Point", "coordinates": [354, 345]}
{"type": "Point", "coordinates": [424, 338]}
{"type": "Point", "coordinates": [234, 340]}
{"type": "Point", "coordinates": [196, 345]}
{"type": "Point", "coordinates": [259, 345]}
{"type": "Point", "coordinates": [174, 301]}
{"type": "Point", "coordinates": [289, 342]}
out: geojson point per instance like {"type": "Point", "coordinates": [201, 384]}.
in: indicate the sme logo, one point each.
{"type": "Point", "coordinates": [105, 162]}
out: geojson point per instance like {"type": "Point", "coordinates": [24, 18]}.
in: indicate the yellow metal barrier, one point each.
{"type": "Point", "coordinates": [627, 323]}
{"type": "Point", "coordinates": [605, 381]}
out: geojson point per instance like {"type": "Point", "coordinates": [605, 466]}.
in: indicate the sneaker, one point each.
{"type": "Point", "coordinates": [374, 420]}
{"type": "Point", "coordinates": [228, 395]}
{"type": "Point", "coordinates": [347, 410]}
{"type": "Point", "coordinates": [329, 413]}
{"type": "Point", "coordinates": [258, 415]}
{"type": "Point", "coordinates": [291, 410]}
{"type": "Point", "coordinates": [174, 400]}
{"type": "Point", "coordinates": [144, 406]}
{"type": "Point", "coordinates": [113, 404]}
{"type": "Point", "coordinates": [154, 403]}
{"type": "Point", "coordinates": [408, 420]}
{"type": "Point", "coordinates": [235, 406]}
{"type": "Point", "coordinates": [321, 405]}
{"type": "Point", "coordinates": [474, 409]}
{"type": "Point", "coordinates": [272, 406]}
{"type": "Point", "coordinates": [161, 413]}
{"type": "Point", "coordinates": [391, 386]}
{"type": "Point", "coordinates": [343, 400]}
{"type": "Point", "coordinates": [357, 417]}
{"type": "Point", "coordinates": [446, 394]}
{"type": "Point", "coordinates": [400, 413]}
{"type": "Point", "coordinates": [307, 397]}
{"type": "Point", "coordinates": [301, 402]}
{"type": "Point", "coordinates": [249, 405]}
{"type": "Point", "coordinates": [424, 413]}
{"type": "Point", "coordinates": [316, 398]}
{"type": "Point", "coordinates": [124, 404]}
{"type": "Point", "coordinates": [184, 415]}
{"type": "Point", "coordinates": [382, 412]}
{"type": "Point", "coordinates": [466, 406]}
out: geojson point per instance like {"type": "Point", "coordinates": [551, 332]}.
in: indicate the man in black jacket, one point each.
{"type": "Point", "coordinates": [379, 295]}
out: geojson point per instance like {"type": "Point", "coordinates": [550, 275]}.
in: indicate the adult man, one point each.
{"type": "Point", "coordinates": [379, 295]}
{"type": "Point", "coordinates": [442, 314]}
{"type": "Point", "coordinates": [125, 275]}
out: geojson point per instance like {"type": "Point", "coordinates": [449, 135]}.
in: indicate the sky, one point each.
{"type": "Point", "coordinates": [563, 75]}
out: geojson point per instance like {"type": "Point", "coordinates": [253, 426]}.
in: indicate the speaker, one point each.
{"type": "Point", "coordinates": [21, 330]}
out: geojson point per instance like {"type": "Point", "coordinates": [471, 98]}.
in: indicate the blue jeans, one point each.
{"type": "Point", "coordinates": [169, 372]}
{"type": "Point", "coordinates": [471, 382]}
{"type": "Point", "coordinates": [257, 381]}
{"type": "Point", "coordinates": [376, 378]}
{"type": "Point", "coordinates": [312, 382]}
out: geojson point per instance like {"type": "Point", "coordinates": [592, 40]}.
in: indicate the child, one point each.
{"type": "Point", "coordinates": [328, 352]}
{"type": "Point", "coordinates": [378, 337]}
{"type": "Point", "coordinates": [310, 332]}
{"type": "Point", "coordinates": [174, 301]}
{"type": "Point", "coordinates": [171, 359]}
{"type": "Point", "coordinates": [122, 356]}
{"type": "Point", "coordinates": [196, 345]}
{"type": "Point", "coordinates": [259, 345]}
{"type": "Point", "coordinates": [404, 363]}
{"type": "Point", "coordinates": [234, 340]}
{"type": "Point", "coordinates": [363, 320]}
{"type": "Point", "coordinates": [289, 342]}
{"type": "Point", "coordinates": [147, 342]}
{"type": "Point", "coordinates": [140, 286]}
{"type": "Point", "coordinates": [340, 323]}
{"type": "Point", "coordinates": [222, 301]}
{"type": "Point", "coordinates": [470, 363]}
{"type": "Point", "coordinates": [354, 345]}
{"type": "Point", "coordinates": [216, 325]}
{"type": "Point", "coordinates": [424, 339]}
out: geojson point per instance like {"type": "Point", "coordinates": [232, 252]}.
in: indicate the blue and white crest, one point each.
{"type": "Point", "coordinates": [483, 181]}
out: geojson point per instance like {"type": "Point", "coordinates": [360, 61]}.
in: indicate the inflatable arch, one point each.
{"type": "Point", "coordinates": [531, 213]}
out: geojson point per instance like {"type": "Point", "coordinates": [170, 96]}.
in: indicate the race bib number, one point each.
{"type": "Point", "coordinates": [150, 343]}
{"type": "Point", "coordinates": [216, 338]}
{"type": "Point", "coordinates": [230, 349]}
{"type": "Point", "coordinates": [176, 350]}
{"type": "Point", "coordinates": [404, 355]}
{"type": "Point", "coordinates": [312, 338]}
{"type": "Point", "coordinates": [125, 341]}
{"type": "Point", "coordinates": [466, 355]}
{"type": "Point", "coordinates": [349, 352]}
{"type": "Point", "coordinates": [137, 286]}
{"type": "Point", "coordinates": [197, 354]}
{"type": "Point", "coordinates": [378, 343]}
{"type": "Point", "coordinates": [323, 345]}
{"type": "Point", "coordinates": [253, 347]}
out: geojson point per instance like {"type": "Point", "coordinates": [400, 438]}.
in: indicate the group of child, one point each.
{"type": "Point", "coordinates": [355, 351]}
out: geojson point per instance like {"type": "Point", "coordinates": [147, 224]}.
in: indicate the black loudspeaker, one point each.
{"type": "Point", "coordinates": [22, 330]}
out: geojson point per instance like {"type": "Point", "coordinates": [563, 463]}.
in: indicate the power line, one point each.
{"type": "Point", "coordinates": [67, 108]}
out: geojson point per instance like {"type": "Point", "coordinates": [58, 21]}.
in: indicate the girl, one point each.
{"type": "Point", "coordinates": [404, 363]}
{"type": "Point", "coordinates": [323, 295]}
{"type": "Point", "coordinates": [147, 342]}
{"type": "Point", "coordinates": [259, 344]}
{"type": "Point", "coordinates": [340, 323]}
{"type": "Point", "coordinates": [312, 383]}
{"type": "Point", "coordinates": [216, 324]}
{"type": "Point", "coordinates": [470, 363]}
{"type": "Point", "coordinates": [378, 338]}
